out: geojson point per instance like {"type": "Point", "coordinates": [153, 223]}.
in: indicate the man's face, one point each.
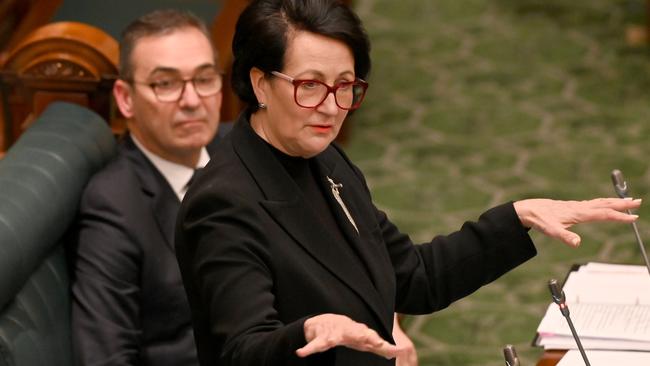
{"type": "Point", "coordinates": [174, 130]}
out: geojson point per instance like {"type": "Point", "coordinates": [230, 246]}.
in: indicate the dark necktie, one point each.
{"type": "Point", "coordinates": [197, 171]}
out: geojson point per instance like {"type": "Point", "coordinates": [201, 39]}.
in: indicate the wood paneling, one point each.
{"type": "Point", "coordinates": [20, 17]}
{"type": "Point", "coordinates": [223, 30]}
{"type": "Point", "coordinates": [60, 61]}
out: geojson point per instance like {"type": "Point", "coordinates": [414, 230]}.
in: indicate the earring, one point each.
{"type": "Point", "coordinates": [261, 106]}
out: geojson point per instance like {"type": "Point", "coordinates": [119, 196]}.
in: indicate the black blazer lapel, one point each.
{"type": "Point", "coordinates": [370, 248]}
{"type": "Point", "coordinates": [286, 204]}
{"type": "Point", "coordinates": [164, 202]}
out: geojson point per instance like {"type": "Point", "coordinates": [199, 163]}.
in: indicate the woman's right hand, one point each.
{"type": "Point", "coordinates": [326, 331]}
{"type": "Point", "coordinates": [553, 217]}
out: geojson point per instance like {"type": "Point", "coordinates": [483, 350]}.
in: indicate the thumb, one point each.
{"type": "Point", "coordinates": [570, 238]}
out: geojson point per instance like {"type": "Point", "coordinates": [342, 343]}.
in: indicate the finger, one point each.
{"type": "Point", "coordinates": [410, 356]}
{"type": "Point", "coordinates": [607, 214]}
{"type": "Point", "coordinates": [384, 349]}
{"type": "Point", "coordinates": [407, 356]}
{"type": "Point", "coordinates": [364, 340]}
{"type": "Point", "coordinates": [387, 350]}
{"type": "Point", "coordinates": [369, 341]}
{"type": "Point", "coordinates": [317, 345]}
{"type": "Point", "coordinates": [571, 239]}
{"type": "Point", "coordinates": [568, 237]}
{"type": "Point", "coordinates": [619, 204]}
{"type": "Point", "coordinates": [373, 338]}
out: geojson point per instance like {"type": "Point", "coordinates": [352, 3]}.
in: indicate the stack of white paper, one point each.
{"type": "Point", "coordinates": [610, 308]}
{"type": "Point", "coordinates": [606, 358]}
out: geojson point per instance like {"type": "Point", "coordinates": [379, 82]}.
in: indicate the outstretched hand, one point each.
{"type": "Point", "coordinates": [326, 331]}
{"type": "Point", "coordinates": [553, 217]}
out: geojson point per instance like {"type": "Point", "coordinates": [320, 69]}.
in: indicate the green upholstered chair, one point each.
{"type": "Point", "coordinates": [41, 180]}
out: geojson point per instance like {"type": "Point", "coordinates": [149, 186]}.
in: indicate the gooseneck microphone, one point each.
{"type": "Point", "coordinates": [510, 355]}
{"type": "Point", "coordinates": [621, 188]}
{"type": "Point", "coordinates": [560, 300]}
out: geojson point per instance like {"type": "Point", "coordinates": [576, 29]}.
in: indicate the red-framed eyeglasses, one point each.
{"type": "Point", "coordinates": [348, 95]}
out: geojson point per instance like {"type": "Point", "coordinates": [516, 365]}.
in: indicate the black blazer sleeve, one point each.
{"type": "Point", "coordinates": [106, 292]}
{"type": "Point", "coordinates": [129, 306]}
{"type": "Point", "coordinates": [432, 275]}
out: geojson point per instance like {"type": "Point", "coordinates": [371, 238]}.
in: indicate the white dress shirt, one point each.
{"type": "Point", "coordinates": [177, 175]}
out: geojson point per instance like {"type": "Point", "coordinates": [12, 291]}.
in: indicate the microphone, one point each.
{"type": "Point", "coordinates": [510, 354]}
{"type": "Point", "coordinates": [560, 300]}
{"type": "Point", "coordinates": [621, 188]}
{"type": "Point", "coordinates": [620, 185]}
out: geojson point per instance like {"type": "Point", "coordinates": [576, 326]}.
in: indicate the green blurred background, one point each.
{"type": "Point", "coordinates": [473, 103]}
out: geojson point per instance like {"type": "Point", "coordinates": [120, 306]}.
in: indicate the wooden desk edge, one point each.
{"type": "Point", "coordinates": [551, 357]}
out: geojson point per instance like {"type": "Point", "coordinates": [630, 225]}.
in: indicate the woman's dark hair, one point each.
{"type": "Point", "coordinates": [265, 26]}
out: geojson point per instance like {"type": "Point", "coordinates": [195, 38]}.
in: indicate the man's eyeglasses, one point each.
{"type": "Point", "coordinates": [348, 95]}
{"type": "Point", "coordinates": [170, 88]}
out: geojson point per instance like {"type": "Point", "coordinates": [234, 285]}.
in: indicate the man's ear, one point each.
{"type": "Point", "coordinates": [260, 84]}
{"type": "Point", "coordinates": [123, 94]}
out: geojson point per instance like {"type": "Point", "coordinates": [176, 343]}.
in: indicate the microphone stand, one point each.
{"type": "Point", "coordinates": [560, 299]}
{"type": "Point", "coordinates": [621, 188]}
{"type": "Point", "coordinates": [640, 242]}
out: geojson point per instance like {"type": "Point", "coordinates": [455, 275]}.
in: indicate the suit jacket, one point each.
{"type": "Point", "coordinates": [129, 306]}
{"type": "Point", "coordinates": [256, 263]}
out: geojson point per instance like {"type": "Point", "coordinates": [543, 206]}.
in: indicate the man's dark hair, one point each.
{"type": "Point", "coordinates": [265, 26]}
{"type": "Point", "coordinates": [155, 23]}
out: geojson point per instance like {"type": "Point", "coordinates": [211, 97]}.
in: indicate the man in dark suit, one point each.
{"type": "Point", "coordinates": [129, 305]}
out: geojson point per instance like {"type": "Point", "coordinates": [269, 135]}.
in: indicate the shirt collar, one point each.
{"type": "Point", "coordinates": [177, 175]}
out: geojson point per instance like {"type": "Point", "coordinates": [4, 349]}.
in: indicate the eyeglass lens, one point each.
{"type": "Point", "coordinates": [170, 88]}
{"type": "Point", "coordinates": [311, 93]}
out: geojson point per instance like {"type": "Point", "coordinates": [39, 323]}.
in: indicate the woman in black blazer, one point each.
{"type": "Point", "coordinates": [285, 258]}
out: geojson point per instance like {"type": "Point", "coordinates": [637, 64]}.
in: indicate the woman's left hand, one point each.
{"type": "Point", "coordinates": [553, 217]}
{"type": "Point", "coordinates": [326, 331]}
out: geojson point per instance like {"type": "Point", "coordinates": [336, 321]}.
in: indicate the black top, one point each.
{"type": "Point", "coordinates": [314, 187]}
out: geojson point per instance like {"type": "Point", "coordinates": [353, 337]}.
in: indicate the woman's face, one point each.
{"type": "Point", "coordinates": [292, 129]}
